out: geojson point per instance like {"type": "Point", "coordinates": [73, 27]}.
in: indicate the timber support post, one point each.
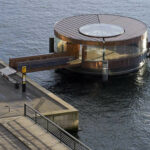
{"type": "Point", "coordinates": [51, 45]}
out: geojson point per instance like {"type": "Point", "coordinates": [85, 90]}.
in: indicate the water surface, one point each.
{"type": "Point", "coordinates": [112, 117]}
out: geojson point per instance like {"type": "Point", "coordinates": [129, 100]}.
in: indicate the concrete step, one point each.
{"type": "Point", "coordinates": [9, 141]}
{"type": "Point", "coordinates": [33, 135]}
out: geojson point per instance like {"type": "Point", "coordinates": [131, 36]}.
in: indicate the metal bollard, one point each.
{"type": "Point", "coordinates": [24, 70]}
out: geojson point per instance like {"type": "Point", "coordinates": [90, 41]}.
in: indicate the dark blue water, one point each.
{"type": "Point", "coordinates": [112, 117]}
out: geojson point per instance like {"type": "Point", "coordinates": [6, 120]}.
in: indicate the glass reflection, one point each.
{"type": "Point", "coordinates": [123, 56]}
{"type": "Point", "coordinates": [101, 30]}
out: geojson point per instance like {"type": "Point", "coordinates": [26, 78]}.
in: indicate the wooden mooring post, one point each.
{"type": "Point", "coordinates": [51, 45]}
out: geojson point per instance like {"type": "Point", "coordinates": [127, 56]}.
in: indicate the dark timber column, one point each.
{"type": "Point", "coordinates": [104, 49]}
{"type": "Point", "coordinates": [51, 45]}
{"type": "Point", "coordinates": [84, 53]}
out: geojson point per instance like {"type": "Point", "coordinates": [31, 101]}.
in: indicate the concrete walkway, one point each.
{"type": "Point", "coordinates": [15, 99]}
{"type": "Point", "coordinates": [20, 133]}
{"type": "Point", "coordinates": [23, 134]}
{"type": "Point", "coordinates": [12, 101]}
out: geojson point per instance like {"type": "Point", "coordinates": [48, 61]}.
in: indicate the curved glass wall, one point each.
{"type": "Point", "coordinates": [60, 45]}
{"type": "Point", "coordinates": [135, 48]}
{"type": "Point", "coordinates": [95, 53]}
{"type": "Point", "coordinates": [125, 56]}
{"type": "Point", "coordinates": [72, 49]}
{"type": "Point", "coordinates": [121, 58]}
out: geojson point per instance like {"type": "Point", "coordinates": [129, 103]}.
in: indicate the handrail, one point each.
{"type": "Point", "coordinates": [54, 129]}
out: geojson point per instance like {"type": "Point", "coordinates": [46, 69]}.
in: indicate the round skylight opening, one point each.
{"type": "Point", "coordinates": [101, 30]}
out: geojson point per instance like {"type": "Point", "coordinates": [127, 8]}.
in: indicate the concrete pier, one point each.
{"type": "Point", "coordinates": [12, 101]}
{"type": "Point", "coordinates": [33, 119]}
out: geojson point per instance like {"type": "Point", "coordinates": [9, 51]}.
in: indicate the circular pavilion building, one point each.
{"type": "Point", "coordinates": [109, 44]}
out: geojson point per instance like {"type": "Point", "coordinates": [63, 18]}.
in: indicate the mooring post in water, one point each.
{"type": "Point", "coordinates": [51, 45]}
{"type": "Point", "coordinates": [104, 65]}
{"type": "Point", "coordinates": [103, 49]}
{"type": "Point", "coordinates": [24, 70]}
{"type": "Point", "coordinates": [105, 71]}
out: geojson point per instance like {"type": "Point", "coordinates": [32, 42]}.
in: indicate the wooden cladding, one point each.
{"type": "Point", "coordinates": [73, 49]}
{"type": "Point", "coordinates": [13, 61]}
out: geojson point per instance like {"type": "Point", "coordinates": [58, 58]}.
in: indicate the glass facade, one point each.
{"type": "Point", "coordinates": [126, 55]}
{"type": "Point", "coordinates": [60, 45]}
{"type": "Point", "coordinates": [135, 48]}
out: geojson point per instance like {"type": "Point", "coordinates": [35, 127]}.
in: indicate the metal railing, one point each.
{"type": "Point", "coordinates": [54, 129]}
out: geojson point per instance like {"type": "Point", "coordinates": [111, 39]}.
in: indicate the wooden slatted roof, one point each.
{"type": "Point", "coordinates": [68, 28]}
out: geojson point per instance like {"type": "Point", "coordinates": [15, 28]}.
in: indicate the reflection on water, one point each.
{"type": "Point", "coordinates": [115, 115]}
{"type": "Point", "coordinates": [140, 76]}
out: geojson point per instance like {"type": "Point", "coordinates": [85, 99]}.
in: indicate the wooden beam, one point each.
{"type": "Point", "coordinates": [14, 61]}
{"type": "Point", "coordinates": [44, 62]}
